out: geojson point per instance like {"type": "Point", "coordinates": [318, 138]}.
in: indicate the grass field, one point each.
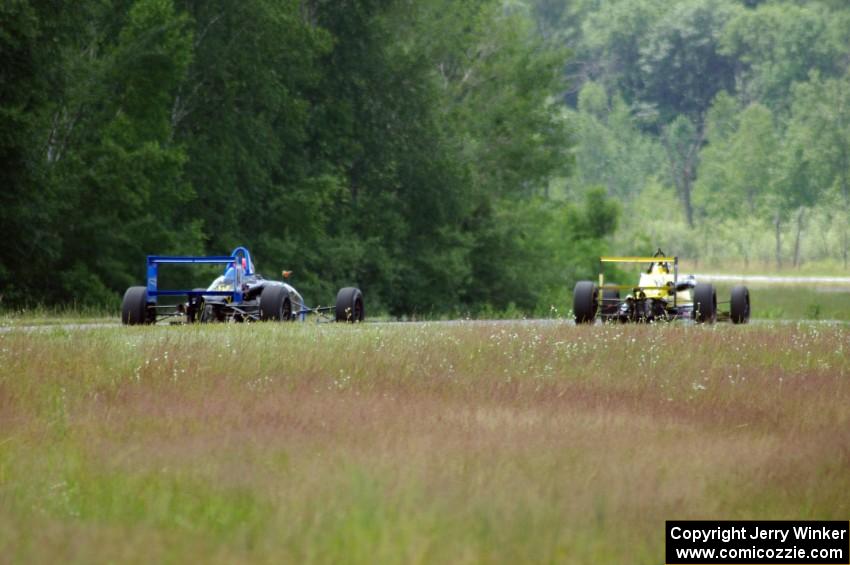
{"type": "Point", "coordinates": [43, 316]}
{"type": "Point", "coordinates": [834, 268]}
{"type": "Point", "coordinates": [406, 443]}
{"type": "Point", "coordinates": [770, 302]}
{"type": "Point", "coordinates": [795, 302]}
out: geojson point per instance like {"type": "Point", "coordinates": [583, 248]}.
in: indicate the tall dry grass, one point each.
{"type": "Point", "coordinates": [410, 443]}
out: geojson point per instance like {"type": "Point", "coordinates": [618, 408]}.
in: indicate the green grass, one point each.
{"type": "Point", "coordinates": [770, 302]}
{"type": "Point", "coordinates": [69, 314]}
{"type": "Point", "coordinates": [823, 268]}
{"type": "Point", "coordinates": [425, 443]}
{"type": "Point", "coordinates": [787, 302]}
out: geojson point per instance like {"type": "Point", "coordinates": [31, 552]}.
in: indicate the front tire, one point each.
{"type": "Point", "coordinates": [705, 304]}
{"type": "Point", "coordinates": [349, 305]}
{"type": "Point", "coordinates": [275, 304]}
{"type": "Point", "coordinates": [739, 305]}
{"type": "Point", "coordinates": [585, 302]}
{"type": "Point", "coordinates": [134, 307]}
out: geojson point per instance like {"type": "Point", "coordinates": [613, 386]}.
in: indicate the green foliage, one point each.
{"type": "Point", "coordinates": [779, 44]}
{"type": "Point", "coordinates": [735, 108]}
{"type": "Point", "coordinates": [615, 35]}
{"type": "Point", "coordinates": [819, 133]}
{"type": "Point", "coordinates": [613, 152]}
{"type": "Point", "coordinates": [27, 202]}
{"type": "Point", "coordinates": [596, 219]}
{"type": "Point", "coordinates": [681, 61]}
{"type": "Point", "coordinates": [737, 169]}
{"type": "Point", "coordinates": [818, 162]}
{"type": "Point", "coordinates": [365, 142]}
{"type": "Point", "coordinates": [437, 153]}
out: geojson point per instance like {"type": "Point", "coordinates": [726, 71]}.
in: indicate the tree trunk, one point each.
{"type": "Point", "coordinates": [309, 10]}
{"type": "Point", "coordinates": [777, 222]}
{"type": "Point", "coordinates": [682, 165]}
{"type": "Point", "coordinates": [686, 197]}
{"type": "Point", "coordinates": [800, 214]}
{"type": "Point", "coordinates": [846, 191]}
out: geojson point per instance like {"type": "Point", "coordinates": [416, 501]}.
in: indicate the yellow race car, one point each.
{"type": "Point", "coordinates": [660, 295]}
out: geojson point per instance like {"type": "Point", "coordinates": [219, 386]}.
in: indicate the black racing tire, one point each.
{"type": "Point", "coordinates": [705, 303]}
{"type": "Point", "coordinates": [585, 302]}
{"type": "Point", "coordinates": [739, 305]}
{"type": "Point", "coordinates": [349, 305]}
{"type": "Point", "coordinates": [610, 307]}
{"type": "Point", "coordinates": [134, 307]}
{"type": "Point", "coordinates": [275, 304]}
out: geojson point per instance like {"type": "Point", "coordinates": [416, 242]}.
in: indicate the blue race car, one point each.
{"type": "Point", "coordinates": [240, 294]}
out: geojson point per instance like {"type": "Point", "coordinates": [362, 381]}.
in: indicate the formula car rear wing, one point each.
{"type": "Point", "coordinates": [658, 258]}
{"type": "Point", "coordinates": [239, 256]}
{"type": "Point", "coordinates": [674, 260]}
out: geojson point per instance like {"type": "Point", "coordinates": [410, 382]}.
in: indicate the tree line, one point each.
{"type": "Point", "coordinates": [403, 146]}
{"type": "Point", "coordinates": [722, 126]}
{"type": "Point", "coordinates": [446, 156]}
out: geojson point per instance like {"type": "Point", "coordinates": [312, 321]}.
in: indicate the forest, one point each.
{"type": "Point", "coordinates": [448, 157]}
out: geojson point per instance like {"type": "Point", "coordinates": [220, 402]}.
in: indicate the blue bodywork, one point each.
{"type": "Point", "coordinates": [233, 261]}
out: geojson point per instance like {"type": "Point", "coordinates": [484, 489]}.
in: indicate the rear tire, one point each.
{"type": "Point", "coordinates": [610, 307]}
{"type": "Point", "coordinates": [739, 305]}
{"type": "Point", "coordinates": [134, 307]}
{"type": "Point", "coordinates": [585, 302]}
{"type": "Point", "coordinates": [349, 305]}
{"type": "Point", "coordinates": [705, 303]}
{"type": "Point", "coordinates": [275, 304]}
